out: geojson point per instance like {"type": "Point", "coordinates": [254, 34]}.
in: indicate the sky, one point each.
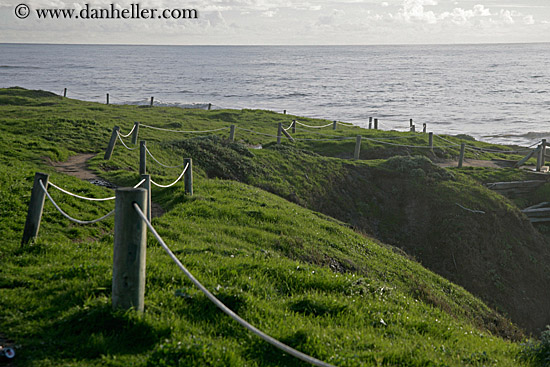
{"type": "Point", "coordinates": [287, 22]}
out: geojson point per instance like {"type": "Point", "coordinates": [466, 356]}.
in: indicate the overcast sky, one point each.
{"type": "Point", "coordinates": [290, 22]}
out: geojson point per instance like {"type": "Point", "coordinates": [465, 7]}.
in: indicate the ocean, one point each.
{"type": "Point", "coordinates": [495, 92]}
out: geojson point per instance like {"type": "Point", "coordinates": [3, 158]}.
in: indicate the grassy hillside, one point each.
{"type": "Point", "coordinates": [301, 276]}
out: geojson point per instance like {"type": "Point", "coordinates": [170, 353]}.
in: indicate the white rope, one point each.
{"type": "Point", "coordinates": [349, 124]}
{"type": "Point", "coordinates": [408, 146]}
{"type": "Point", "coordinates": [119, 138]}
{"type": "Point", "coordinates": [181, 131]}
{"type": "Point", "coordinates": [314, 127]}
{"type": "Point", "coordinates": [471, 210]}
{"type": "Point", "coordinates": [335, 139]}
{"type": "Point", "coordinates": [68, 216]}
{"type": "Point", "coordinates": [151, 155]}
{"type": "Point", "coordinates": [285, 348]}
{"type": "Point", "coordinates": [173, 183]}
{"type": "Point", "coordinates": [131, 131]}
{"type": "Point", "coordinates": [139, 184]}
{"type": "Point", "coordinates": [80, 197]}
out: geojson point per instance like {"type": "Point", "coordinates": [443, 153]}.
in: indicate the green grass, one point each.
{"type": "Point", "coordinates": [299, 275]}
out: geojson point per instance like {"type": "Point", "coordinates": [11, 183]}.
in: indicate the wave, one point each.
{"type": "Point", "coordinates": [19, 67]}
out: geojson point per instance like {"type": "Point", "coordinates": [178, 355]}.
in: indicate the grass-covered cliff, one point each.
{"type": "Point", "coordinates": [285, 236]}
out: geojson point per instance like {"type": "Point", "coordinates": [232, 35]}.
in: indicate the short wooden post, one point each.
{"type": "Point", "coordinates": [375, 124]}
{"type": "Point", "coordinates": [411, 123]}
{"type": "Point", "coordinates": [539, 158]}
{"type": "Point", "coordinates": [461, 157]}
{"type": "Point", "coordinates": [147, 186]}
{"type": "Point", "coordinates": [431, 140]}
{"type": "Point", "coordinates": [293, 126]}
{"type": "Point", "coordinates": [188, 176]}
{"type": "Point", "coordinates": [413, 128]}
{"type": "Point", "coordinates": [152, 101]}
{"type": "Point", "coordinates": [424, 126]}
{"type": "Point", "coordinates": [232, 133]}
{"type": "Point", "coordinates": [543, 154]}
{"type": "Point", "coordinates": [36, 206]}
{"type": "Point", "coordinates": [279, 132]}
{"type": "Point", "coordinates": [209, 106]}
{"type": "Point", "coordinates": [65, 92]}
{"type": "Point", "coordinates": [370, 125]}
{"type": "Point", "coordinates": [142, 157]}
{"type": "Point", "coordinates": [334, 124]}
{"type": "Point", "coordinates": [107, 98]}
{"type": "Point", "coordinates": [129, 250]}
{"type": "Point", "coordinates": [357, 147]}
{"type": "Point", "coordinates": [284, 112]}
{"type": "Point", "coordinates": [135, 133]}
{"type": "Point", "coordinates": [112, 143]}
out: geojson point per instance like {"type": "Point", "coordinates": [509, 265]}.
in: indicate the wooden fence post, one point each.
{"type": "Point", "coordinates": [357, 147]}
{"type": "Point", "coordinates": [36, 206]}
{"type": "Point", "coordinates": [135, 133]}
{"type": "Point", "coordinates": [279, 132]}
{"type": "Point", "coordinates": [411, 123]}
{"type": "Point", "coordinates": [209, 106]}
{"type": "Point", "coordinates": [413, 128]}
{"type": "Point", "coordinates": [142, 157]}
{"type": "Point", "coordinates": [232, 133]}
{"type": "Point", "coordinates": [375, 124]}
{"type": "Point", "coordinates": [424, 126]}
{"type": "Point", "coordinates": [147, 186]}
{"type": "Point", "coordinates": [539, 158]}
{"type": "Point", "coordinates": [188, 176]}
{"type": "Point", "coordinates": [65, 92]}
{"type": "Point", "coordinates": [334, 125]}
{"type": "Point", "coordinates": [284, 112]}
{"type": "Point", "coordinates": [461, 157]}
{"type": "Point", "coordinates": [129, 250]}
{"type": "Point", "coordinates": [107, 98]}
{"type": "Point", "coordinates": [543, 154]}
{"type": "Point", "coordinates": [152, 101]}
{"type": "Point", "coordinates": [293, 126]}
{"type": "Point", "coordinates": [111, 145]}
{"type": "Point", "coordinates": [431, 140]}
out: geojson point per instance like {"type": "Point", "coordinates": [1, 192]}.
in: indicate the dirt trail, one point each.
{"type": "Point", "coordinates": [495, 163]}
{"type": "Point", "coordinates": [77, 166]}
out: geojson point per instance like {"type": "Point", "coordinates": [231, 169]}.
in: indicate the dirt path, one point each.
{"type": "Point", "coordinates": [495, 163]}
{"type": "Point", "coordinates": [77, 166]}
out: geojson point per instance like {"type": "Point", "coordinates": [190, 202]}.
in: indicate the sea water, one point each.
{"type": "Point", "coordinates": [497, 93]}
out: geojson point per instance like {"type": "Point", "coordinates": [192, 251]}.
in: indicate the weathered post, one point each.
{"type": "Point", "coordinates": [411, 123]}
{"type": "Point", "coordinates": [375, 124]}
{"type": "Point", "coordinates": [284, 112]}
{"type": "Point", "coordinates": [188, 176]}
{"type": "Point", "coordinates": [461, 157]}
{"type": "Point", "coordinates": [65, 92]}
{"type": "Point", "coordinates": [135, 133]}
{"type": "Point", "coordinates": [147, 186]}
{"type": "Point", "coordinates": [293, 126]}
{"type": "Point", "coordinates": [370, 125]}
{"type": "Point", "coordinates": [107, 98]}
{"type": "Point", "coordinates": [413, 128]}
{"type": "Point", "coordinates": [142, 157]}
{"type": "Point", "coordinates": [543, 155]}
{"type": "Point", "coordinates": [334, 125]}
{"type": "Point", "coordinates": [424, 126]}
{"type": "Point", "coordinates": [279, 132]}
{"type": "Point", "coordinates": [36, 206]}
{"type": "Point", "coordinates": [209, 106]}
{"type": "Point", "coordinates": [129, 250]}
{"type": "Point", "coordinates": [152, 101]}
{"type": "Point", "coordinates": [232, 133]}
{"type": "Point", "coordinates": [111, 145]}
{"type": "Point", "coordinates": [357, 147]}
{"type": "Point", "coordinates": [431, 140]}
{"type": "Point", "coordinates": [539, 158]}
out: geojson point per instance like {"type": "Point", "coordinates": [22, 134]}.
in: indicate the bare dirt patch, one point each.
{"type": "Point", "coordinates": [77, 166]}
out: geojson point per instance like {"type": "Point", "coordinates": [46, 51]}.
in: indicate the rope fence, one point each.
{"type": "Point", "coordinates": [175, 182]}
{"type": "Point", "coordinates": [276, 343]}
